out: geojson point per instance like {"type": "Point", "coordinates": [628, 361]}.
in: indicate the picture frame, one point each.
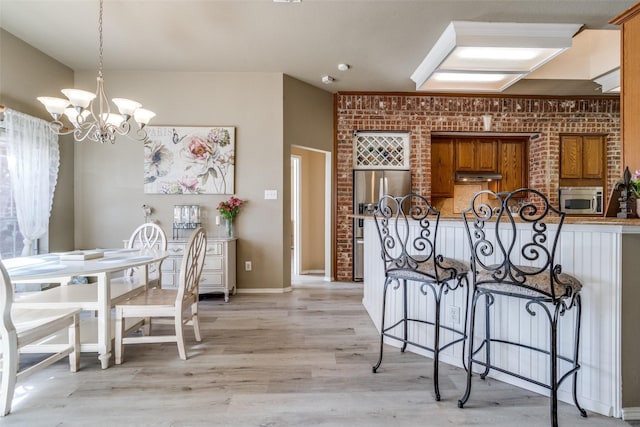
{"type": "Point", "coordinates": [189, 160]}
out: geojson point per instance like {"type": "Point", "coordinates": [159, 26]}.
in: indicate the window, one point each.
{"type": "Point", "coordinates": [31, 157]}
{"type": "Point", "coordinates": [10, 237]}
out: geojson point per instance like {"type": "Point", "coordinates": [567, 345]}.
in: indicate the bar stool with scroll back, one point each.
{"type": "Point", "coordinates": [408, 227]}
{"type": "Point", "coordinates": [514, 252]}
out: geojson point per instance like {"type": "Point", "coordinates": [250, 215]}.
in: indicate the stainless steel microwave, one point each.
{"type": "Point", "coordinates": [581, 200]}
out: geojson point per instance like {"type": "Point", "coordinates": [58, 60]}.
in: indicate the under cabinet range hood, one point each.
{"type": "Point", "coordinates": [470, 177]}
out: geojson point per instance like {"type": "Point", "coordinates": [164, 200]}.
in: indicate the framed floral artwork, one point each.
{"type": "Point", "coordinates": [189, 160]}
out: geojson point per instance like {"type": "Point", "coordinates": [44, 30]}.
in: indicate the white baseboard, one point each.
{"type": "Point", "coordinates": [312, 272]}
{"type": "Point", "coordinates": [264, 290]}
{"type": "Point", "coordinates": [631, 414]}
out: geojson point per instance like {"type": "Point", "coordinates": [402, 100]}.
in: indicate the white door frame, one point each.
{"type": "Point", "coordinates": [328, 241]}
{"type": "Point", "coordinates": [296, 165]}
{"type": "Point", "coordinates": [296, 175]}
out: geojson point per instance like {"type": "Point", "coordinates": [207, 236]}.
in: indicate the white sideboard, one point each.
{"type": "Point", "coordinates": [219, 274]}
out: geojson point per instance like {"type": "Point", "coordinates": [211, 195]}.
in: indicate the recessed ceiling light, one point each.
{"type": "Point", "coordinates": [468, 77]}
{"type": "Point", "coordinates": [609, 82]}
{"type": "Point", "coordinates": [513, 53]}
{"type": "Point", "coordinates": [343, 67]}
{"type": "Point", "coordinates": [443, 81]}
{"type": "Point", "coordinates": [511, 50]}
{"type": "Point", "coordinates": [328, 80]}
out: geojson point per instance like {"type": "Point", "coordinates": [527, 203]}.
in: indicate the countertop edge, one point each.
{"type": "Point", "coordinates": [631, 222]}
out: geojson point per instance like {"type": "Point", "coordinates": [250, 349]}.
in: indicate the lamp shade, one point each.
{"type": "Point", "coordinates": [126, 106]}
{"type": "Point", "coordinates": [55, 106]}
{"type": "Point", "coordinates": [78, 97]}
{"type": "Point", "coordinates": [112, 119]}
{"type": "Point", "coordinates": [143, 117]}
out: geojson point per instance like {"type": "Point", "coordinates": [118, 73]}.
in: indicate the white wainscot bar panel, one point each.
{"type": "Point", "coordinates": [590, 252]}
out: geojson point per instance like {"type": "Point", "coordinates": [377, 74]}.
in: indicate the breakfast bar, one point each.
{"type": "Point", "coordinates": [598, 251]}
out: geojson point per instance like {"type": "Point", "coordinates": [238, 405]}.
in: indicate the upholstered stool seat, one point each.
{"type": "Point", "coordinates": [448, 268]}
{"type": "Point", "coordinates": [531, 283]}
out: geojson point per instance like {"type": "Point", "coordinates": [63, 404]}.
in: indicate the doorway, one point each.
{"type": "Point", "coordinates": [311, 177]}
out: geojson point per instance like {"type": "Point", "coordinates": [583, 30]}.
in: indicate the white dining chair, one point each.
{"type": "Point", "coordinates": [157, 304]}
{"type": "Point", "coordinates": [22, 329]}
{"type": "Point", "coordinates": [149, 236]}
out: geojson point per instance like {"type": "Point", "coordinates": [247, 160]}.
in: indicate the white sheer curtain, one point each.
{"type": "Point", "coordinates": [33, 160]}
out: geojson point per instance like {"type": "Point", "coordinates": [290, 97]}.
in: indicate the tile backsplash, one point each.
{"type": "Point", "coordinates": [461, 199]}
{"type": "Point", "coordinates": [462, 195]}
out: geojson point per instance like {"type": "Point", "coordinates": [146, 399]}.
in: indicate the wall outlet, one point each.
{"type": "Point", "coordinates": [453, 314]}
{"type": "Point", "coordinates": [247, 266]}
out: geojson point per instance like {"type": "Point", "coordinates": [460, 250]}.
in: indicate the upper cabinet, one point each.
{"type": "Point", "coordinates": [476, 155]}
{"type": "Point", "coordinates": [582, 160]}
{"type": "Point", "coordinates": [513, 164]}
{"type": "Point", "coordinates": [629, 22]}
{"type": "Point", "coordinates": [570, 157]}
{"type": "Point", "coordinates": [593, 157]}
{"type": "Point", "coordinates": [504, 155]}
{"type": "Point", "coordinates": [442, 168]}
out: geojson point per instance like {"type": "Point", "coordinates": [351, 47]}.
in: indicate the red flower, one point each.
{"type": "Point", "coordinates": [231, 207]}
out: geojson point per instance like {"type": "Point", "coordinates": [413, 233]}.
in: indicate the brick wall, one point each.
{"type": "Point", "coordinates": [546, 118]}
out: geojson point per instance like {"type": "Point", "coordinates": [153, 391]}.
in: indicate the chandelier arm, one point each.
{"type": "Point", "coordinates": [85, 131]}
{"type": "Point", "coordinates": [104, 111]}
{"type": "Point", "coordinates": [124, 128]}
{"type": "Point", "coordinates": [58, 128]}
{"type": "Point", "coordinates": [141, 135]}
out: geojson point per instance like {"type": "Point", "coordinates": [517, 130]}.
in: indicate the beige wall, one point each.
{"type": "Point", "coordinates": [308, 122]}
{"type": "Point", "coordinates": [109, 179]}
{"type": "Point", "coordinates": [312, 207]}
{"type": "Point", "coordinates": [26, 73]}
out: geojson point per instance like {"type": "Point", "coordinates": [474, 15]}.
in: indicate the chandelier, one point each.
{"type": "Point", "coordinates": [90, 113]}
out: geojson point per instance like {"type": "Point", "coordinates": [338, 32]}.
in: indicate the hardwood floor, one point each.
{"type": "Point", "coordinates": [298, 359]}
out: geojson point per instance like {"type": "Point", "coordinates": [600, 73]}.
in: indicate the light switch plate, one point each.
{"type": "Point", "coordinates": [270, 194]}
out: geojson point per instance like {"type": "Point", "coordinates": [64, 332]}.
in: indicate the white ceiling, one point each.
{"type": "Point", "coordinates": [383, 40]}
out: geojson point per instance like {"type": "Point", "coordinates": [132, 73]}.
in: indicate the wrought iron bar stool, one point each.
{"type": "Point", "coordinates": [520, 261]}
{"type": "Point", "coordinates": [407, 227]}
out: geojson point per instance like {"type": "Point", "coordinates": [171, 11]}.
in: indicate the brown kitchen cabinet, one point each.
{"type": "Point", "coordinates": [512, 164]}
{"type": "Point", "coordinates": [505, 155]}
{"type": "Point", "coordinates": [442, 168]}
{"type": "Point", "coordinates": [476, 155]}
{"type": "Point", "coordinates": [582, 160]}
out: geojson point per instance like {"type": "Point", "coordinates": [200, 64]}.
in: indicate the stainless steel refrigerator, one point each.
{"type": "Point", "coordinates": [368, 187]}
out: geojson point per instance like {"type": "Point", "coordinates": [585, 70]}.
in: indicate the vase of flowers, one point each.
{"type": "Point", "coordinates": [229, 210]}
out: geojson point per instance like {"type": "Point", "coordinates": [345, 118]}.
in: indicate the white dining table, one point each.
{"type": "Point", "coordinates": [99, 295]}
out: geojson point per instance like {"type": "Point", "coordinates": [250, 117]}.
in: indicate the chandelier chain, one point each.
{"type": "Point", "coordinates": [100, 36]}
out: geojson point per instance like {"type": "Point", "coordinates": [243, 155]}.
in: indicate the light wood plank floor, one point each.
{"type": "Point", "coordinates": [299, 359]}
